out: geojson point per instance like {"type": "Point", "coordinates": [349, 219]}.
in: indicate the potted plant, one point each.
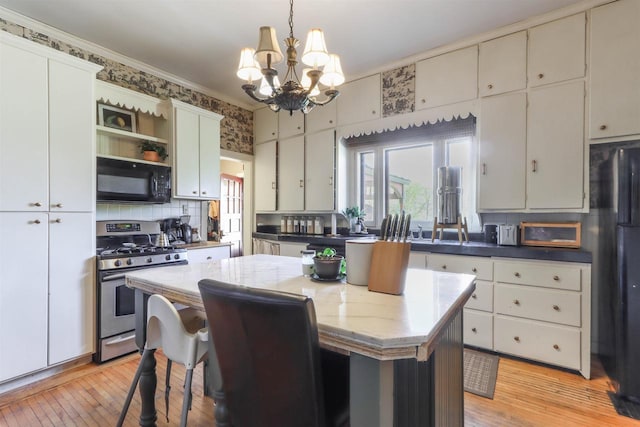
{"type": "Point", "coordinates": [153, 151]}
{"type": "Point", "coordinates": [328, 265]}
{"type": "Point", "coordinates": [355, 215]}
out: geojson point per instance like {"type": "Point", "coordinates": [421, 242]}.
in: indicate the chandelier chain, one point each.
{"type": "Point", "coordinates": [291, 18]}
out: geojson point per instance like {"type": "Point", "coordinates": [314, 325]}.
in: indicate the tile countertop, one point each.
{"type": "Point", "coordinates": [451, 247]}
{"type": "Point", "coordinates": [349, 317]}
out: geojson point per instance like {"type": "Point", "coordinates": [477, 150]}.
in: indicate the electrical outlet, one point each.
{"type": "Point", "coordinates": [185, 210]}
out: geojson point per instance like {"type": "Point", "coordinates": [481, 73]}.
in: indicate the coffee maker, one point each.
{"type": "Point", "coordinates": [178, 230]}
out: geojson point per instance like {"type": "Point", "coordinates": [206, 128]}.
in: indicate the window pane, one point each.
{"type": "Point", "coordinates": [366, 167]}
{"type": "Point", "coordinates": [409, 182]}
{"type": "Point", "coordinates": [458, 153]}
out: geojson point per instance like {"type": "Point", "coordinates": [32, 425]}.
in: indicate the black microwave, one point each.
{"type": "Point", "coordinates": [129, 181]}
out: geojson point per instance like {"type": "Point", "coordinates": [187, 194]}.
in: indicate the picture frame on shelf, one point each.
{"type": "Point", "coordinates": [117, 118]}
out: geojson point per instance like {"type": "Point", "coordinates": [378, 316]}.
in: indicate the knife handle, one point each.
{"type": "Point", "coordinates": [383, 229]}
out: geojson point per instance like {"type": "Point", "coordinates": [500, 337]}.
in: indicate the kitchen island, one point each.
{"type": "Point", "coordinates": [405, 351]}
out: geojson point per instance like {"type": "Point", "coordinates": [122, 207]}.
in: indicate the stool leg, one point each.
{"type": "Point", "coordinates": [132, 389]}
{"type": "Point", "coordinates": [186, 400]}
{"type": "Point", "coordinates": [167, 388]}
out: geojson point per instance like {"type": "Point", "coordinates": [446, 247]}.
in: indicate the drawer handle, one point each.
{"type": "Point", "coordinates": [58, 220]}
{"type": "Point", "coordinates": [209, 258]}
{"type": "Point", "coordinates": [484, 169]}
{"type": "Point", "coordinates": [57, 205]}
{"type": "Point", "coordinates": [301, 183]}
{"type": "Point", "coordinates": [556, 347]}
{"type": "Point", "coordinates": [444, 267]}
{"type": "Point", "coordinates": [273, 185]}
{"type": "Point", "coordinates": [603, 127]}
{"type": "Point", "coordinates": [37, 204]}
{"type": "Point", "coordinates": [517, 274]}
{"type": "Point", "coordinates": [194, 192]}
{"type": "Point", "coordinates": [204, 192]}
{"type": "Point", "coordinates": [556, 308]}
{"type": "Point", "coordinates": [556, 278]}
{"type": "Point", "coordinates": [37, 221]}
{"type": "Point", "coordinates": [490, 86]}
{"type": "Point", "coordinates": [475, 270]}
{"type": "Point", "coordinates": [516, 339]}
{"type": "Point", "coordinates": [474, 296]}
{"type": "Point", "coordinates": [516, 302]}
{"type": "Point", "coordinates": [474, 330]}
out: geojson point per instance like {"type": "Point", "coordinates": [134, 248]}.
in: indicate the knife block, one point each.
{"type": "Point", "coordinates": [389, 261]}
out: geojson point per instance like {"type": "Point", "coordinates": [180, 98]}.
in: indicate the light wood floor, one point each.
{"type": "Point", "coordinates": [92, 395]}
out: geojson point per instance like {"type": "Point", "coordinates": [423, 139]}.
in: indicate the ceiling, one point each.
{"type": "Point", "coordinates": [200, 40]}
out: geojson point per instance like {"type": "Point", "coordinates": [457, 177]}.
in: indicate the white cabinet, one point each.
{"type": "Point", "coordinates": [615, 70]}
{"type": "Point", "coordinates": [290, 124]}
{"type": "Point", "coordinates": [322, 117]}
{"type": "Point", "coordinates": [291, 170]}
{"type": "Point", "coordinates": [502, 152]}
{"type": "Point", "coordinates": [359, 100]}
{"type": "Point", "coordinates": [320, 171]}
{"type": "Point", "coordinates": [292, 249]}
{"type": "Point", "coordinates": [210, 253]}
{"type": "Point", "coordinates": [502, 64]}
{"type": "Point", "coordinates": [555, 147]}
{"type": "Point", "coordinates": [23, 293]}
{"type": "Point", "coordinates": [265, 176]}
{"type": "Point", "coordinates": [197, 152]}
{"type": "Point", "coordinates": [265, 125]}
{"type": "Point", "coordinates": [557, 51]}
{"type": "Point", "coordinates": [448, 78]}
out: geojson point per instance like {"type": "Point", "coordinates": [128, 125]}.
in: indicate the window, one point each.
{"type": "Point", "coordinates": [398, 171]}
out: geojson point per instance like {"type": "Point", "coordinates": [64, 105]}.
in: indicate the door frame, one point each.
{"type": "Point", "coordinates": [248, 216]}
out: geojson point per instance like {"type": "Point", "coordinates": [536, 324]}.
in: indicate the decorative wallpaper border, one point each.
{"type": "Point", "coordinates": [236, 129]}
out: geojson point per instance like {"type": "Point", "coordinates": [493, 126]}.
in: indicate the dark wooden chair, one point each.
{"type": "Point", "coordinates": [273, 371]}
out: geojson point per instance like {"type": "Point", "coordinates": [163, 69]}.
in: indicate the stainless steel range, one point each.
{"type": "Point", "coordinates": [124, 246]}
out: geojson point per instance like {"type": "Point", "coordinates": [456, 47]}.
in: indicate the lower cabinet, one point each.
{"type": "Point", "coordinates": [478, 328]}
{"type": "Point", "coordinates": [199, 255]}
{"type": "Point", "coordinates": [292, 249]}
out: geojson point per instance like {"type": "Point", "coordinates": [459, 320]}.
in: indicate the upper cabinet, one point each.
{"type": "Point", "coordinates": [322, 117]}
{"type": "Point", "coordinates": [557, 51]}
{"type": "Point", "coordinates": [359, 100]}
{"type": "Point", "coordinates": [447, 79]}
{"type": "Point", "coordinates": [502, 64]}
{"type": "Point", "coordinates": [265, 125]}
{"type": "Point", "coordinates": [290, 124]}
{"type": "Point", "coordinates": [615, 70]}
{"type": "Point", "coordinates": [265, 176]}
{"type": "Point", "coordinates": [196, 162]}
{"type": "Point", "coordinates": [291, 173]}
{"type": "Point", "coordinates": [320, 171]}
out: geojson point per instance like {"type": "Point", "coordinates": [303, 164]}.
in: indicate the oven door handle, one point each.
{"type": "Point", "coordinates": [120, 340]}
{"type": "Point", "coordinates": [113, 277]}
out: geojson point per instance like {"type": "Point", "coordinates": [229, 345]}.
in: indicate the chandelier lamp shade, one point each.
{"type": "Point", "coordinates": [297, 92]}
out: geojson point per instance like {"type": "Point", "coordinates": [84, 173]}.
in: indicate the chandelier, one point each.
{"type": "Point", "coordinates": [295, 93]}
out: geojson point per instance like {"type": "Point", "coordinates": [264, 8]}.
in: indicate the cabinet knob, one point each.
{"type": "Point", "coordinates": [556, 347]}
{"type": "Point", "coordinates": [444, 267]}
{"type": "Point", "coordinates": [556, 278]}
{"type": "Point", "coordinates": [37, 221]}
{"type": "Point", "coordinates": [204, 192]}
{"type": "Point", "coordinates": [490, 86]}
{"type": "Point", "coordinates": [556, 308]}
{"type": "Point", "coordinates": [474, 330]}
{"type": "Point", "coordinates": [475, 270]}
{"type": "Point", "coordinates": [57, 205]}
{"type": "Point", "coordinates": [209, 258]}
{"type": "Point", "coordinates": [330, 121]}
{"type": "Point", "coordinates": [516, 302]}
{"type": "Point", "coordinates": [298, 128]}
{"type": "Point", "coordinates": [474, 296]}
{"type": "Point", "coordinates": [603, 127]}
{"type": "Point", "coordinates": [516, 339]}
{"type": "Point", "coordinates": [194, 192]}
{"type": "Point", "coordinates": [423, 100]}
{"type": "Point", "coordinates": [517, 274]}
{"type": "Point", "coordinates": [273, 134]}
{"type": "Point", "coordinates": [37, 204]}
{"type": "Point", "coordinates": [540, 75]}
{"type": "Point", "coordinates": [58, 220]}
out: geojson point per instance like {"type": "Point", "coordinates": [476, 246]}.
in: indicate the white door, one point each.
{"type": "Point", "coordinates": [320, 171]}
{"type": "Point", "coordinates": [71, 286]}
{"type": "Point", "coordinates": [23, 292]}
{"type": "Point", "coordinates": [265, 176]}
{"type": "Point", "coordinates": [291, 174]}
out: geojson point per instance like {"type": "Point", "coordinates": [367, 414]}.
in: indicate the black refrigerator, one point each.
{"type": "Point", "coordinates": [625, 302]}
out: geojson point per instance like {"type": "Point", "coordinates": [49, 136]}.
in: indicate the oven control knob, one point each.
{"type": "Point", "coordinates": [168, 257]}
{"type": "Point", "coordinates": [177, 256]}
{"type": "Point", "coordinates": [129, 261]}
{"type": "Point", "coordinates": [117, 263]}
{"type": "Point", "coordinates": [149, 260]}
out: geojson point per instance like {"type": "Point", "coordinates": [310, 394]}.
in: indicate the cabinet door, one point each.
{"type": "Point", "coordinates": [322, 117]}
{"type": "Point", "coordinates": [320, 171]}
{"type": "Point", "coordinates": [187, 134]}
{"type": "Point", "coordinates": [71, 286]}
{"type": "Point", "coordinates": [71, 138]}
{"type": "Point", "coordinates": [502, 64]}
{"type": "Point", "coordinates": [615, 70]}
{"type": "Point", "coordinates": [23, 293]}
{"type": "Point", "coordinates": [265, 125]}
{"type": "Point", "coordinates": [209, 157]}
{"type": "Point", "coordinates": [448, 78]}
{"type": "Point", "coordinates": [291, 174]}
{"type": "Point", "coordinates": [501, 178]}
{"type": "Point", "coordinates": [290, 124]}
{"type": "Point", "coordinates": [265, 176]}
{"type": "Point", "coordinates": [359, 100]}
{"type": "Point", "coordinates": [555, 147]}
{"type": "Point", "coordinates": [197, 256]}
{"type": "Point", "coordinates": [24, 162]}
{"type": "Point", "coordinates": [557, 51]}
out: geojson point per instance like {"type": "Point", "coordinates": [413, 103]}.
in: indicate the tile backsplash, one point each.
{"type": "Point", "coordinates": [126, 211]}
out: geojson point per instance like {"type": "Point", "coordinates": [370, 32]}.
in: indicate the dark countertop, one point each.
{"type": "Point", "coordinates": [451, 247]}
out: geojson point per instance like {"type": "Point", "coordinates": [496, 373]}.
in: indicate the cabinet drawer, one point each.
{"type": "Point", "coordinates": [481, 267]}
{"type": "Point", "coordinates": [537, 303]}
{"type": "Point", "coordinates": [482, 297]}
{"type": "Point", "coordinates": [548, 275]}
{"type": "Point", "coordinates": [557, 345]}
{"type": "Point", "coordinates": [478, 329]}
